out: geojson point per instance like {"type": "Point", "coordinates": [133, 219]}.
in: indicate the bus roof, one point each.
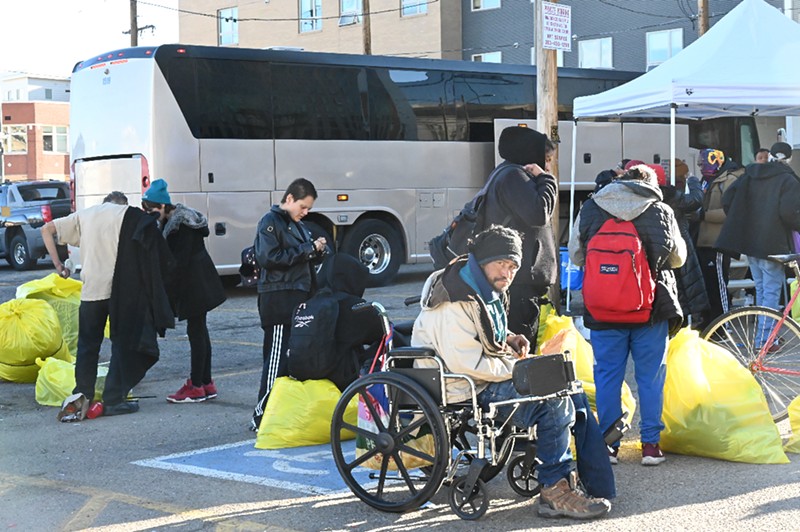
{"type": "Point", "coordinates": [358, 60]}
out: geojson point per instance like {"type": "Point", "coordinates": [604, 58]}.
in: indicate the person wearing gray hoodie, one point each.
{"type": "Point", "coordinates": [635, 196]}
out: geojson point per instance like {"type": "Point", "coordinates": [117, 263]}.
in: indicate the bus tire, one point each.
{"type": "Point", "coordinates": [377, 246]}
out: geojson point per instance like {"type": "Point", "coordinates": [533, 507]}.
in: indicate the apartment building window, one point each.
{"type": "Point", "coordinates": [559, 57]}
{"type": "Point", "coordinates": [478, 5]}
{"type": "Point", "coordinates": [15, 139]}
{"type": "Point", "coordinates": [488, 57]}
{"type": "Point", "coordinates": [54, 139]}
{"type": "Point", "coordinates": [48, 94]}
{"type": "Point", "coordinates": [350, 12]}
{"type": "Point", "coordinates": [595, 53]}
{"type": "Point", "coordinates": [228, 20]}
{"type": "Point", "coordinates": [661, 45]}
{"type": "Point", "coordinates": [310, 15]}
{"type": "Point", "coordinates": [409, 8]}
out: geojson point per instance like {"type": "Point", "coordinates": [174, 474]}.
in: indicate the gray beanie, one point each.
{"type": "Point", "coordinates": [497, 243]}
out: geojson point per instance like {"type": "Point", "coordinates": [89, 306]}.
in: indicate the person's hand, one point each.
{"type": "Point", "coordinates": [519, 344]}
{"type": "Point", "coordinates": [533, 169]}
{"type": "Point", "coordinates": [64, 272]}
{"type": "Point", "coordinates": [319, 244]}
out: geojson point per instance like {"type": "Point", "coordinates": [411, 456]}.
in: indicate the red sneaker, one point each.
{"type": "Point", "coordinates": [210, 389]}
{"type": "Point", "coordinates": [189, 393]}
{"type": "Point", "coordinates": [652, 455]}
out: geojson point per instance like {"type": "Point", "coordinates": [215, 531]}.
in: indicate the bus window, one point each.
{"type": "Point", "coordinates": [319, 102]}
{"type": "Point", "coordinates": [749, 141]}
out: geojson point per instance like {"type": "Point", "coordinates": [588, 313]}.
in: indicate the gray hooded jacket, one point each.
{"type": "Point", "coordinates": [639, 202]}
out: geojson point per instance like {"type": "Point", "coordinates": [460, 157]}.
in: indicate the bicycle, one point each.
{"type": "Point", "coordinates": [774, 362]}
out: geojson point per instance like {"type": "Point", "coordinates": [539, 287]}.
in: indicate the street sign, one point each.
{"type": "Point", "coordinates": [556, 26]}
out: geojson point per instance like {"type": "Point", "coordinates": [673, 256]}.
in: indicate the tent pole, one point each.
{"type": "Point", "coordinates": [571, 206]}
{"type": "Point", "coordinates": [672, 108]}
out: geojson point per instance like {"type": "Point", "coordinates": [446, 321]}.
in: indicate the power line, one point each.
{"type": "Point", "coordinates": [288, 19]}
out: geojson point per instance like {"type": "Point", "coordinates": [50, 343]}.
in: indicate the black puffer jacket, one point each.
{"type": "Point", "coordinates": [763, 208]}
{"type": "Point", "coordinates": [655, 222]}
{"type": "Point", "coordinates": [692, 292]}
{"type": "Point", "coordinates": [526, 203]}
{"type": "Point", "coordinates": [286, 254]}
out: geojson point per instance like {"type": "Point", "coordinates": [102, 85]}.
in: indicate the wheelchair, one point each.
{"type": "Point", "coordinates": [410, 441]}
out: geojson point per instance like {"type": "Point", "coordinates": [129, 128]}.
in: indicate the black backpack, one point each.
{"type": "Point", "coordinates": [453, 241]}
{"type": "Point", "coordinates": [312, 344]}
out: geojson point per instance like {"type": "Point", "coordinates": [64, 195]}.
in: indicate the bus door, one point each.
{"type": "Point", "coordinates": [237, 177]}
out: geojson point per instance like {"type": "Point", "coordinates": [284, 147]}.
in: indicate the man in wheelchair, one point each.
{"type": "Point", "coordinates": [463, 319]}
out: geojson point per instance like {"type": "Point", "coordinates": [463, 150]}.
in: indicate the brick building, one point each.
{"type": "Point", "coordinates": [34, 128]}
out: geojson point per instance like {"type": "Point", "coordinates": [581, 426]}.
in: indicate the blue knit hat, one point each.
{"type": "Point", "coordinates": [157, 193]}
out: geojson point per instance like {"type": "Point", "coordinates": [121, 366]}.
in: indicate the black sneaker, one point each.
{"type": "Point", "coordinates": [254, 424]}
{"type": "Point", "coordinates": [125, 407]}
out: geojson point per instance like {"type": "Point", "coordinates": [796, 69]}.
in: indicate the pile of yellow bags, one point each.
{"type": "Point", "coordinates": [29, 329]}
{"type": "Point", "coordinates": [64, 295]}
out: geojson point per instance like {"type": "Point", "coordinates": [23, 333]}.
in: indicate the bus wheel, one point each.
{"type": "Point", "coordinates": [378, 246]}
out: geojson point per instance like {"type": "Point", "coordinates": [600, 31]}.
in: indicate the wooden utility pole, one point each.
{"type": "Point", "coordinates": [366, 27]}
{"type": "Point", "coordinates": [547, 118]}
{"type": "Point", "coordinates": [702, 17]}
{"type": "Point", "coordinates": [134, 25]}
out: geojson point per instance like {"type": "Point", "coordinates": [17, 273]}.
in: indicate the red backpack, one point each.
{"type": "Point", "coordinates": [618, 286]}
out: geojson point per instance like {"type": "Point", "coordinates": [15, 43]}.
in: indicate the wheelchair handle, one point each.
{"type": "Point", "coordinates": [413, 300]}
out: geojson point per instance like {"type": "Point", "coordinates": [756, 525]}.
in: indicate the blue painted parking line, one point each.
{"type": "Point", "coordinates": [308, 470]}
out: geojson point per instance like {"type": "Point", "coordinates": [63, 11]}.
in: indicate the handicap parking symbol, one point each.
{"type": "Point", "coordinates": [309, 470]}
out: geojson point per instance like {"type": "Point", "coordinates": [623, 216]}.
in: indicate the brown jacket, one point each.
{"type": "Point", "coordinates": [712, 207]}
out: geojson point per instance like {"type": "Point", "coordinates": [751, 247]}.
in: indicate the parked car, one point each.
{"type": "Point", "coordinates": [25, 206]}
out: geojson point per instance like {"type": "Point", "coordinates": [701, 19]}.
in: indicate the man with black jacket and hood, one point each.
{"type": "Point", "coordinates": [763, 208]}
{"type": "Point", "coordinates": [522, 196]}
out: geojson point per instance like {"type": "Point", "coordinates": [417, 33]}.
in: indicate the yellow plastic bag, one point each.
{"type": "Point", "coordinates": [64, 295]}
{"type": "Point", "coordinates": [56, 380]}
{"type": "Point", "coordinates": [714, 407]}
{"type": "Point", "coordinates": [561, 335]}
{"type": "Point", "coordinates": [793, 445]}
{"type": "Point", "coordinates": [298, 413]}
{"type": "Point", "coordinates": [29, 329]}
{"type": "Point", "coordinates": [796, 306]}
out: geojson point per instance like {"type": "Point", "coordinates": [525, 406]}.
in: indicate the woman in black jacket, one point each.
{"type": "Point", "coordinates": [194, 289]}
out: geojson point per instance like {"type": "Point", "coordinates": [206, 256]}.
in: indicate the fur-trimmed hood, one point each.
{"type": "Point", "coordinates": [183, 215]}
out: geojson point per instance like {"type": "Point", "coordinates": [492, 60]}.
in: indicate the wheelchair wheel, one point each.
{"type": "Point", "coordinates": [523, 478]}
{"type": "Point", "coordinates": [468, 506]}
{"type": "Point", "coordinates": [384, 471]}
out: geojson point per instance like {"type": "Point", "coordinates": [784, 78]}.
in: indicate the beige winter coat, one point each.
{"type": "Point", "coordinates": [712, 205]}
{"type": "Point", "coordinates": [460, 333]}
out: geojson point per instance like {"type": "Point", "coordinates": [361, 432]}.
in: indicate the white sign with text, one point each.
{"type": "Point", "coordinates": [556, 27]}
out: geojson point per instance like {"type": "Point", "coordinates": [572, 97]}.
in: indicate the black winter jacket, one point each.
{"type": "Point", "coordinates": [286, 254]}
{"type": "Point", "coordinates": [195, 287]}
{"type": "Point", "coordinates": [763, 208]}
{"type": "Point", "coordinates": [139, 307]}
{"type": "Point", "coordinates": [655, 222]}
{"type": "Point", "coordinates": [529, 201]}
{"type": "Point", "coordinates": [692, 292]}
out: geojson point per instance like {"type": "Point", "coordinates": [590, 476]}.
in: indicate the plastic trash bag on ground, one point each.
{"type": "Point", "coordinates": [714, 407]}
{"type": "Point", "coordinates": [56, 380]}
{"type": "Point", "coordinates": [64, 295]}
{"type": "Point", "coordinates": [793, 445]}
{"type": "Point", "coordinates": [561, 335]}
{"type": "Point", "coordinates": [299, 414]}
{"type": "Point", "coordinates": [29, 329]}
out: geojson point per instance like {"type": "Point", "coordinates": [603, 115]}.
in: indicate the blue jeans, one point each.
{"type": "Point", "coordinates": [647, 346]}
{"type": "Point", "coordinates": [553, 419]}
{"type": "Point", "coordinates": [768, 278]}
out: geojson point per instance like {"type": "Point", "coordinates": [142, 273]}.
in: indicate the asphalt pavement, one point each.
{"type": "Point", "coordinates": [194, 467]}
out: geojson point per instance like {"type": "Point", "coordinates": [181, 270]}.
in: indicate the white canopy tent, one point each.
{"type": "Point", "coordinates": [744, 65]}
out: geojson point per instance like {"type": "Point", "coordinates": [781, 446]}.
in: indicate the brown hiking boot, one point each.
{"type": "Point", "coordinates": [565, 499]}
